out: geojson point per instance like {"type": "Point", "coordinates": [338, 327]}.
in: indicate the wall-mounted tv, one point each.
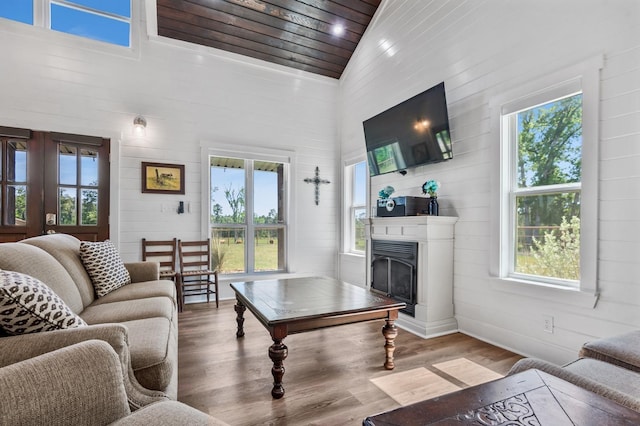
{"type": "Point", "coordinates": [410, 134]}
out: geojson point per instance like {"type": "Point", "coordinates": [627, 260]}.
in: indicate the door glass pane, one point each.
{"type": "Point", "coordinates": [269, 253]}
{"type": "Point", "coordinates": [67, 206]}
{"type": "Point", "coordinates": [17, 161]}
{"type": "Point", "coordinates": [548, 235]}
{"type": "Point", "coordinates": [268, 183]}
{"type": "Point", "coordinates": [227, 190]}
{"type": "Point", "coordinates": [16, 205]}
{"type": "Point", "coordinates": [89, 207]}
{"type": "Point", "coordinates": [227, 250]}
{"type": "Point", "coordinates": [68, 166]}
{"type": "Point", "coordinates": [88, 167]}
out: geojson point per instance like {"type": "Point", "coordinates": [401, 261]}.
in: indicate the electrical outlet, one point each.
{"type": "Point", "coordinates": [547, 323]}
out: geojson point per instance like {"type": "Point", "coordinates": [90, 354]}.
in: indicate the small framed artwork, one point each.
{"type": "Point", "coordinates": [160, 178]}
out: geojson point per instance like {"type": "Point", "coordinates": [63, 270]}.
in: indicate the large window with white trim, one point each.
{"type": "Point", "coordinates": [248, 223]}
{"type": "Point", "coordinates": [549, 184]}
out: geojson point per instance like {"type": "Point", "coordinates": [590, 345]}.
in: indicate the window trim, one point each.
{"type": "Point", "coordinates": [209, 149]}
{"type": "Point", "coordinates": [348, 227]}
{"type": "Point", "coordinates": [586, 76]}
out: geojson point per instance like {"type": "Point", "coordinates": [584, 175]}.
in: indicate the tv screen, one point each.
{"type": "Point", "coordinates": [410, 134]}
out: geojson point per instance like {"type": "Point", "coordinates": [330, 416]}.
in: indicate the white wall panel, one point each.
{"type": "Point", "coordinates": [481, 50]}
{"type": "Point", "coordinates": [188, 95]}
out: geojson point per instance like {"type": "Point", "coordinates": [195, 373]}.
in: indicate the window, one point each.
{"type": "Point", "coordinates": [13, 182]}
{"type": "Point", "coordinates": [548, 218]}
{"type": "Point", "coordinates": [17, 10]}
{"type": "Point", "coordinates": [247, 215]}
{"type": "Point", "coordinates": [356, 209]}
{"type": "Point", "coordinates": [107, 21]}
{"type": "Point", "coordinates": [545, 188]}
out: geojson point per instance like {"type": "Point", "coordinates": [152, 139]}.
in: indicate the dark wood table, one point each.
{"type": "Point", "coordinates": [531, 397]}
{"type": "Point", "coordinates": [297, 305]}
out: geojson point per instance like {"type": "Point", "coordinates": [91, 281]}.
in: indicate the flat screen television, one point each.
{"type": "Point", "coordinates": [410, 134]}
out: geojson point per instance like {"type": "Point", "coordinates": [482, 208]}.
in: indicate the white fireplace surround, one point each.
{"type": "Point", "coordinates": [434, 235]}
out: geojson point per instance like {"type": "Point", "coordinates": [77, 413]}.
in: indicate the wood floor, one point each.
{"type": "Point", "coordinates": [328, 372]}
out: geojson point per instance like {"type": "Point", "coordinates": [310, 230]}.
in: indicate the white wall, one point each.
{"type": "Point", "coordinates": [482, 49]}
{"type": "Point", "coordinates": [189, 96]}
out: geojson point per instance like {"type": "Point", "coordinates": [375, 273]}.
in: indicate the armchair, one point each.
{"type": "Point", "coordinates": [81, 384]}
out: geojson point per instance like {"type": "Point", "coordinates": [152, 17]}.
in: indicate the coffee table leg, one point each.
{"type": "Point", "coordinates": [389, 331]}
{"type": "Point", "coordinates": [277, 352]}
{"type": "Point", "coordinates": [240, 308]}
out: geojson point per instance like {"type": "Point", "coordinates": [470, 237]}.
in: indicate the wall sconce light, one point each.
{"type": "Point", "coordinates": [139, 126]}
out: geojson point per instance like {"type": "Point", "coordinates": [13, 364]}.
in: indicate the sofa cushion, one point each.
{"type": "Point", "coordinates": [27, 305]}
{"type": "Point", "coordinates": [141, 290]}
{"type": "Point", "coordinates": [618, 378]}
{"type": "Point", "coordinates": [152, 344]}
{"type": "Point", "coordinates": [66, 250]}
{"type": "Point", "coordinates": [129, 310]}
{"type": "Point", "coordinates": [104, 265]}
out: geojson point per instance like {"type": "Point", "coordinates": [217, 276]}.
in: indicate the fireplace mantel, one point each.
{"type": "Point", "coordinates": [434, 235]}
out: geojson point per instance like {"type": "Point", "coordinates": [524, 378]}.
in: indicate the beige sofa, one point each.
{"type": "Point", "coordinates": [32, 393]}
{"type": "Point", "coordinates": [138, 320]}
{"type": "Point", "coordinates": [609, 367]}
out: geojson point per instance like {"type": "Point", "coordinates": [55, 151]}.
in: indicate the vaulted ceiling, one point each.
{"type": "Point", "coordinates": [301, 34]}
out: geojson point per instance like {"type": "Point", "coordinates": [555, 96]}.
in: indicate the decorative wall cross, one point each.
{"type": "Point", "coordinates": [317, 181]}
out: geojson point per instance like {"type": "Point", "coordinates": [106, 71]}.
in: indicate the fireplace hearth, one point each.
{"type": "Point", "coordinates": [394, 267]}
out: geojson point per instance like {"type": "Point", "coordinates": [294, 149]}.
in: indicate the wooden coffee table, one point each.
{"type": "Point", "coordinates": [296, 305]}
{"type": "Point", "coordinates": [531, 397]}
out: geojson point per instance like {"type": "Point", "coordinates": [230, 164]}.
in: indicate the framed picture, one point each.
{"type": "Point", "coordinates": [160, 178]}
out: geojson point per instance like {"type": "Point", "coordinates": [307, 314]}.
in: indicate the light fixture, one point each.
{"type": "Point", "coordinates": [139, 126]}
{"type": "Point", "coordinates": [337, 29]}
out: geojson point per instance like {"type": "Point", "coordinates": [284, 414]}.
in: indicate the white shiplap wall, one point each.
{"type": "Point", "coordinates": [482, 49]}
{"type": "Point", "coordinates": [190, 96]}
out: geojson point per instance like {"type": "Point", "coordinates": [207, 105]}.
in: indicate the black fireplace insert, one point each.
{"type": "Point", "coordinates": [394, 266]}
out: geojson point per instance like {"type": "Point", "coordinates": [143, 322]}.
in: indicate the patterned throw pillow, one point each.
{"type": "Point", "coordinates": [104, 266]}
{"type": "Point", "coordinates": [27, 305]}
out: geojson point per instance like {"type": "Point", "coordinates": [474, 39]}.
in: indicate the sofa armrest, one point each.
{"type": "Point", "coordinates": [622, 350]}
{"type": "Point", "coordinates": [621, 398]}
{"type": "Point", "coordinates": [14, 349]}
{"type": "Point", "coordinates": [79, 384]}
{"type": "Point", "coordinates": [143, 271]}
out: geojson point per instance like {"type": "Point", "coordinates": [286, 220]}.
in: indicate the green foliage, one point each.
{"type": "Point", "coordinates": [218, 254]}
{"type": "Point", "coordinates": [557, 253]}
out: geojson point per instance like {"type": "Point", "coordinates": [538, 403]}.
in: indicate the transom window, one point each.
{"type": "Point", "coordinates": [106, 21]}
{"type": "Point", "coordinates": [247, 215]}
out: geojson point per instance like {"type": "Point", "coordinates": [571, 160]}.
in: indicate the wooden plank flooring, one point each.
{"type": "Point", "coordinates": [328, 372]}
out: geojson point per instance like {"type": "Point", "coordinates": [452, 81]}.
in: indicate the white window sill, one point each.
{"type": "Point", "coordinates": [352, 254]}
{"type": "Point", "coordinates": [547, 292]}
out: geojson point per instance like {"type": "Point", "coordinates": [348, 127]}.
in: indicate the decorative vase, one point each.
{"type": "Point", "coordinates": [433, 206]}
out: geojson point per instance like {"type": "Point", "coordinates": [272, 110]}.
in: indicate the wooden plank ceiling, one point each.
{"type": "Point", "coordinates": [295, 33]}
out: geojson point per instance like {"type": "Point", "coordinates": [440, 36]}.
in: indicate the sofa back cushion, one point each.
{"type": "Point", "coordinates": [66, 250]}
{"type": "Point", "coordinates": [39, 264]}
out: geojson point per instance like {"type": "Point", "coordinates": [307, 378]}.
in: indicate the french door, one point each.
{"type": "Point", "coordinates": [53, 183]}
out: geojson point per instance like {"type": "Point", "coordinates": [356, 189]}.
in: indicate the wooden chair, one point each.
{"type": "Point", "coordinates": [164, 252]}
{"type": "Point", "coordinates": [196, 275]}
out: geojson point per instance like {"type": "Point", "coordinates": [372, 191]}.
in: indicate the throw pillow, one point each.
{"type": "Point", "coordinates": [27, 305]}
{"type": "Point", "coordinates": [104, 265]}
